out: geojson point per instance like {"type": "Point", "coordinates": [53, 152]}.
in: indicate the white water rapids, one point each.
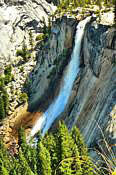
{"type": "Point", "coordinates": [70, 74]}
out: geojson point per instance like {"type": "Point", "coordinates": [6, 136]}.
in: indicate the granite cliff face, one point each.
{"type": "Point", "coordinates": [93, 108]}
{"type": "Point", "coordinates": [17, 18]}
{"type": "Point", "coordinates": [92, 103]}
{"type": "Point", "coordinates": [51, 61]}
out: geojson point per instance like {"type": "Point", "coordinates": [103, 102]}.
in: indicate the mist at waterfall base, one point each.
{"type": "Point", "coordinates": [70, 74]}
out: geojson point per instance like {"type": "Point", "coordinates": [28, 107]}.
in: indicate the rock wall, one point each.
{"type": "Point", "coordinates": [92, 104]}
{"type": "Point", "coordinates": [93, 107]}
{"type": "Point", "coordinates": [17, 18]}
{"type": "Point", "coordinates": [44, 80]}
{"type": "Point", "coordinates": [20, 22]}
{"type": "Point", "coordinates": [52, 58]}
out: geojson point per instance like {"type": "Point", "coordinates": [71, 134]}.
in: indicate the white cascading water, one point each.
{"type": "Point", "coordinates": [70, 74]}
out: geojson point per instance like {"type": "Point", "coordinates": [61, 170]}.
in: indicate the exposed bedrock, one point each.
{"type": "Point", "coordinates": [52, 59]}
{"type": "Point", "coordinates": [92, 104]}
{"type": "Point", "coordinates": [17, 18]}
{"type": "Point", "coordinates": [93, 107]}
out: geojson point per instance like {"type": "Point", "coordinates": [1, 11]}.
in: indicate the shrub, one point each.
{"type": "Point", "coordinates": [19, 53]}
{"type": "Point", "coordinates": [6, 101]}
{"type": "Point", "coordinates": [23, 98]}
{"type": "Point", "coordinates": [8, 74]}
{"type": "Point", "coordinates": [24, 53]}
{"type": "Point", "coordinates": [40, 37]}
{"type": "Point", "coordinates": [2, 111]}
{"type": "Point", "coordinates": [21, 69]}
{"type": "Point", "coordinates": [31, 41]}
{"type": "Point", "coordinates": [1, 83]}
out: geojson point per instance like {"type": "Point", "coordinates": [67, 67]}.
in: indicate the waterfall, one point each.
{"type": "Point", "coordinates": [70, 74]}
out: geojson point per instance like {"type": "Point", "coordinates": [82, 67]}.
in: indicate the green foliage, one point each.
{"type": "Point", "coordinates": [44, 25]}
{"type": "Point", "coordinates": [6, 101]}
{"type": "Point", "coordinates": [52, 145]}
{"type": "Point", "coordinates": [114, 2]}
{"type": "Point", "coordinates": [8, 74]}
{"type": "Point", "coordinates": [57, 153]}
{"type": "Point", "coordinates": [2, 110]}
{"type": "Point", "coordinates": [1, 83]}
{"type": "Point", "coordinates": [31, 41]}
{"type": "Point", "coordinates": [44, 160]}
{"type": "Point", "coordinates": [23, 165]}
{"type": "Point", "coordinates": [78, 139]}
{"type": "Point", "coordinates": [28, 152]}
{"type": "Point", "coordinates": [46, 28]}
{"type": "Point", "coordinates": [23, 97]}
{"type": "Point", "coordinates": [5, 159]}
{"type": "Point", "coordinates": [24, 53]}
{"type": "Point", "coordinates": [21, 69]}
{"type": "Point", "coordinates": [4, 97]}
{"type": "Point", "coordinates": [40, 37]}
{"type": "Point", "coordinates": [49, 26]}
{"type": "Point", "coordinates": [68, 6]}
{"type": "Point", "coordinates": [19, 53]}
{"type": "Point", "coordinates": [3, 170]}
{"type": "Point", "coordinates": [22, 138]}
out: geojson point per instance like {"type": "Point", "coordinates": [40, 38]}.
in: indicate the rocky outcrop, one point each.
{"type": "Point", "coordinates": [93, 108]}
{"type": "Point", "coordinates": [92, 104]}
{"type": "Point", "coordinates": [52, 59]}
{"type": "Point", "coordinates": [17, 18]}
{"type": "Point", "coordinates": [43, 83]}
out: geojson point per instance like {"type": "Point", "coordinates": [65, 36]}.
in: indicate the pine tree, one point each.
{"type": "Point", "coordinates": [87, 166]}
{"type": "Point", "coordinates": [31, 157]}
{"type": "Point", "coordinates": [5, 158]}
{"type": "Point", "coordinates": [43, 160]}
{"type": "Point", "coordinates": [28, 152]}
{"type": "Point", "coordinates": [1, 83]}
{"type": "Point", "coordinates": [78, 139]}
{"type": "Point", "coordinates": [58, 153]}
{"type": "Point", "coordinates": [21, 137]}
{"type": "Point", "coordinates": [6, 101]}
{"type": "Point", "coordinates": [2, 111]}
{"type": "Point", "coordinates": [51, 142]}
{"type": "Point", "coordinates": [3, 170]}
{"type": "Point", "coordinates": [44, 26]}
{"type": "Point", "coordinates": [24, 51]}
{"type": "Point", "coordinates": [76, 161]}
{"type": "Point", "coordinates": [65, 150]}
{"type": "Point", "coordinates": [23, 165]}
{"type": "Point", "coordinates": [31, 41]}
{"type": "Point", "coordinates": [8, 74]}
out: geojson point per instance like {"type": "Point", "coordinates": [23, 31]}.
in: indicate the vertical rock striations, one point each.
{"type": "Point", "coordinates": [52, 59]}
{"type": "Point", "coordinates": [94, 106]}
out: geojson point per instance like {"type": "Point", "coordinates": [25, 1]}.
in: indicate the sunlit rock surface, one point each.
{"type": "Point", "coordinates": [92, 102]}
{"type": "Point", "coordinates": [51, 61]}
{"type": "Point", "coordinates": [93, 108]}
{"type": "Point", "coordinates": [16, 19]}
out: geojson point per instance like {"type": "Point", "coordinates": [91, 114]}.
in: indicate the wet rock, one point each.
{"type": "Point", "coordinates": [94, 104]}
{"type": "Point", "coordinates": [45, 78]}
